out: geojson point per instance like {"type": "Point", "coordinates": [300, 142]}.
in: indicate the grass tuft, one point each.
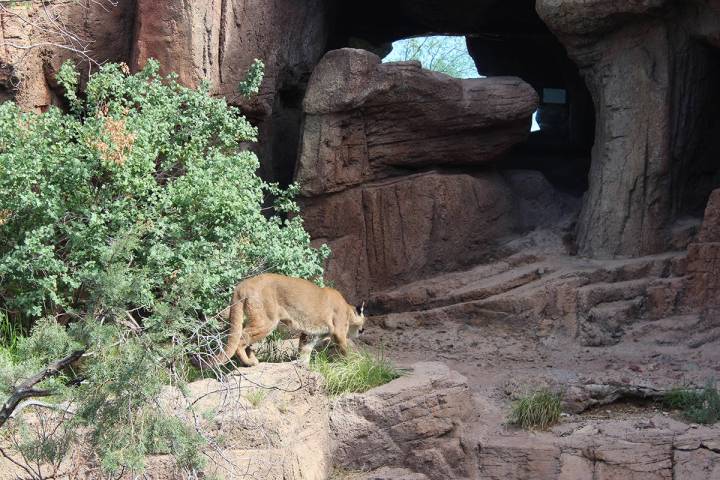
{"type": "Point", "coordinates": [697, 405]}
{"type": "Point", "coordinates": [357, 372]}
{"type": "Point", "coordinates": [538, 410]}
{"type": "Point", "coordinates": [10, 335]}
{"type": "Point", "coordinates": [256, 396]}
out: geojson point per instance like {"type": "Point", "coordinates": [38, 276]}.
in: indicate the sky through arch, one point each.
{"type": "Point", "coordinates": [446, 54]}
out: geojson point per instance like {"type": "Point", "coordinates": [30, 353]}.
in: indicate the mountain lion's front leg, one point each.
{"type": "Point", "coordinates": [341, 341]}
{"type": "Point", "coordinates": [305, 347]}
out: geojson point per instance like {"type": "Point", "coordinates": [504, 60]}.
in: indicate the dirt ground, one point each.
{"type": "Point", "coordinates": [502, 363]}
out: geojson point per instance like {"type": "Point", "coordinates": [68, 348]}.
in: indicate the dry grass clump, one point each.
{"type": "Point", "coordinates": [537, 410]}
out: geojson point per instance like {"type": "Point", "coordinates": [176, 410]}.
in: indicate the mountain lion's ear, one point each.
{"type": "Point", "coordinates": [360, 309]}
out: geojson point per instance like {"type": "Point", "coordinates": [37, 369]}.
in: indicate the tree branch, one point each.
{"type": "Point", "coordinates": [27, 388]}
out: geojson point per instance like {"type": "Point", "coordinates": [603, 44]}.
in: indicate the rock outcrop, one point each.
{"type": "Point", "coordinates": [703, 265]}
{"type": "Point", "coordinates": [369, 127]}
{"type": "Point", "coordinates": [213, 41]}
{"type": "Point", "coordinates": [400, 229]}
{"type": "Point", "coordinates": [282, 434]}
{"type": "Point", "coordinates": [364, 120]}
{"type": "Point", "coordinates": [419, 422]}
{"type": "Point", "coordinates": [649, 73]}
{"type": "Point", "coordinates": [218, 40]}
{"type": "Point", "coordinates": [661, 450]}
{"type": "Point", "coordinates": [103, 28]}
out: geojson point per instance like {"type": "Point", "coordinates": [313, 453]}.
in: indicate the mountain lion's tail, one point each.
{"type": "Point", "coordinates": [237, 310]}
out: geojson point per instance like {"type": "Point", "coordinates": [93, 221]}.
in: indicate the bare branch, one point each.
{"type": "Point", "coordinates": [27, 388]}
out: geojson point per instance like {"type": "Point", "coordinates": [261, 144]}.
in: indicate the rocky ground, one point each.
{"type": "Point", "coordinates": [623, 439]}
{"type": "Point", "coordinates": [611, 427]}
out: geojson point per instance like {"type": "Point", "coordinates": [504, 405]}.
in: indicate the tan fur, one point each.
{"type": "Point", "coordinates": [269, 299]}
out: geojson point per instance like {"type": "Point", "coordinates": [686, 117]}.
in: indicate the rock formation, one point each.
{"type": "Point", "coordinates": [650, 76]}
{"type": "Point", "coordinates": [419, 422]}
{"type": "Point", "coordinates": [364, 120]}
{"type": "Point", "coordinates": [703, 264]}
{"type": "Point", "coordinates": [650, 67]}
{"type": "Point", "coordinates": [369, 129]}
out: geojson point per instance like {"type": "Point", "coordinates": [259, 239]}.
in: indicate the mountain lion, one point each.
{"type": "Point", "coordinates": [266, 300]}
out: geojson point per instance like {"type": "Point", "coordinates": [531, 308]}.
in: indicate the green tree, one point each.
{"type": "Point", "coordinates": [448, 55]}
{"type": "Point", "coordinates": [131, 218]}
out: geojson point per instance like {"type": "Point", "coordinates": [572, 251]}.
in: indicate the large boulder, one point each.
{"type": "Point", "coordinates": [365, 120]}
{"type": "Point", "coordinates": [418, 422]}
{"type": "Point", "coordinates": [374, 140]}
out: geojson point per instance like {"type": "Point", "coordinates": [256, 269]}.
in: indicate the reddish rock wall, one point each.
{"type": "Point", "coordinates": [704, 264]}
{"type": "Point", "coordinates": [368, 128]}
{"type": "Point", "coordinates": [651, 67]}
{"type": "Point", "coordinates": [639, 58]}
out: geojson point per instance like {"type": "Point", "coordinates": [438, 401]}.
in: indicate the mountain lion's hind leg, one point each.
{"type": "Point", "coordinates": [258, 326]}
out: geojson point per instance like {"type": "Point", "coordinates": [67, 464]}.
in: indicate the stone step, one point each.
{"type": "Point", "coordinates": [594, 294]}
{"type": "Point", "coordinates": [622, 270]}
{"type": "Point", "coordinates": [476, 284]}
{"type": "Point", "coordinates": [605, 323]}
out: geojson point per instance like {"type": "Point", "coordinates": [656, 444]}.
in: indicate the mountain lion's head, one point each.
{"type": "Point", "coordinates": [357, 321]}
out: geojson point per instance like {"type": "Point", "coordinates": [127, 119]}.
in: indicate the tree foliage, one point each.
{"type": "Point", "coordinates": [443, 54]}
{"type": "Point", "coordinates": [132, 217]}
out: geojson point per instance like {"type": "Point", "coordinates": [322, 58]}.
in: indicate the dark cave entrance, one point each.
{"type": "Point", "coordinates": [561, 147]}
{"type": "Point", "coordinates": [695, 154]}
{"type": "Point", "coordinates": [503, 40]}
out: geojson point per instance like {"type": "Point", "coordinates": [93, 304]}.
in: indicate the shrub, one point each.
{"type": "Point", "coordinates": [132, 218]}
{"type": "Point", "coordinates": [539, 410]}
{"type": "Point", "coordinates": [359, 371]}
{"type": "Point", "coordinates": [697, 405]}
{"type": "Point", "coordinates": [143, 198]}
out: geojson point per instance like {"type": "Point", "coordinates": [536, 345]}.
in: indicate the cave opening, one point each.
{"type": "Point", "coordinates": [501, 40]}
{"type": "Point", "coordinates": [696, 130]}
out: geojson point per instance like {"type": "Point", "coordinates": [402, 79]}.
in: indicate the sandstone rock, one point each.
{"type": "Point", "coordinates": [710, 231]}
{"type": "Point", "coordinates": [219, 39]}
{"type": "Point", "coordinates": [104, 28]}
{"type": "Point", "coordinates": [283, 436]}
{"type": "Point", "coordinates": [703, 267]}
{"type": "Point", "coordinates": [387, 473]}
{"type": "Point", "coordinates": [364, 119]}
{"type": "Point", "coordinates": [502, 459]}
{"type": "Point", "coordinates": [538, 204]}
{"type": "Point", "coordinates": [578, 398]}
{"type": "Point", "coordinates": [418, 422]}
{"type": "Point", "coordinates": [639, 58]}
{"type": "Point", "coordinates": [698, 464]}
{"type": "Point", "coordinates": [401, 229]}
